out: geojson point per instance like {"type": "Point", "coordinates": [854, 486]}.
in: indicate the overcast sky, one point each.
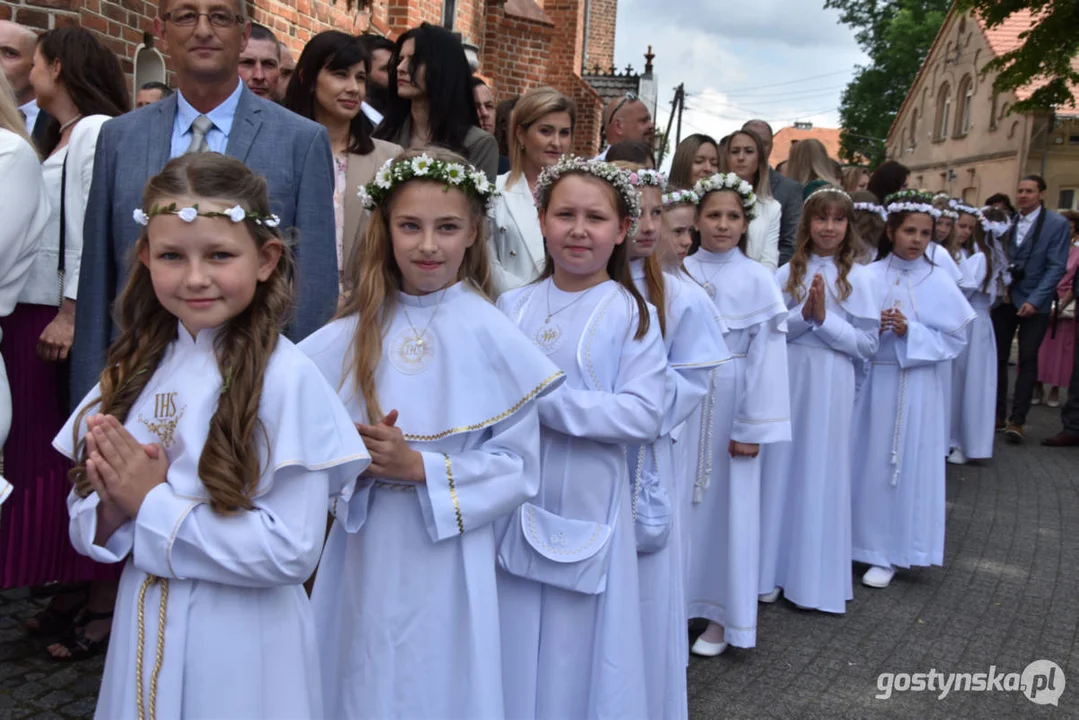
{"type": "Point", "coordinates": [732, 57]}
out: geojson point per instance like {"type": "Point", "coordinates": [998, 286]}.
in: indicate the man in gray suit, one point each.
{"type": "Point", "coordinates": [786, 191]}
{"type": "Point", "coordinates": [1037, 250]}
{"type": "Point", "coordinates": [211, 111]}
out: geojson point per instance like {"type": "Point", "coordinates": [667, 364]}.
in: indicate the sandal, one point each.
{"type": "Point", "coordinates": [78, 645]}
{"type": "Point", "coordinates": [51, 621]}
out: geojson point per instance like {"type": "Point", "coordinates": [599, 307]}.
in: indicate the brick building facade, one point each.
{"type": "Point", "coordinates": [519, 43]}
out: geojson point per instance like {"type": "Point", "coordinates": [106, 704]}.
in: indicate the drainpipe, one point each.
{"type": "Point", "coordinates": [584, 42]}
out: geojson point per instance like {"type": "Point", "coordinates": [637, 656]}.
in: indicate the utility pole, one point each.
{"type": "Point", "coordinates": [676, 107]}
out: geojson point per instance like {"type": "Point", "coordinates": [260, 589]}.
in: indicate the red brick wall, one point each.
{"type": "Point", "coordinates": [601, 24]}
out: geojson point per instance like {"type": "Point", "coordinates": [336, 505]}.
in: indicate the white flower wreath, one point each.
{"type": "Point", "coordinates": [396, 172]}
{"type": "Point", "coordinates": [618, 178]}
{"type": "Point", "coordinates": [681, 197]}
{"type": "Point", "coordinates": [911, 201]}
{"type": "Point", "coordinates": [728, 181]}
{"type": "Point", "coordinates": [188, 214]}
{"type": "Point", "coordinates": [872, 208]}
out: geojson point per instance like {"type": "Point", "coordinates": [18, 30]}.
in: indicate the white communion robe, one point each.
{"type": "Point", "coordinates": [750, 405]}
{"type": "Point", "coordinates": [805, 483]}
{"type": "Point", "coordinates": [897, 491]}
{"type": "Point", "coordinates": [695, 347]}
{"type": "Point", "coordinates": [406, 604]}
{"type": "Point", "coordinates": [568, 586]}
{"type": "Point", "coordinates": [218, 599]}
{"type": "Point", "coordinates": [944, 260]}
{"type": "Point", "coordinates": [974, 375]}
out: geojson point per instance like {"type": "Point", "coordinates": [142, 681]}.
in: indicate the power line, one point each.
{"type": "Point", "coordinates": [770, 93]}
{"type": "Point", "coordinates": [789, 82]}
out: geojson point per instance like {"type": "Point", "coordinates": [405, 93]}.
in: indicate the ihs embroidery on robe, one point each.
{"type": "Point", "coordinates": [166, 417]}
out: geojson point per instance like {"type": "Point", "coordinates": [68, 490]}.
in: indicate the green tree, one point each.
{"type": "Point", "coordinates": [1047, 53]}
{"type": "Point", "coordinates": [896, 35]}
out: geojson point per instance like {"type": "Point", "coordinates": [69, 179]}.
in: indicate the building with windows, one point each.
{"type": "Point", "coordinates": [514, 44]}
{"type": "Point", "coordinates": [959, 136]}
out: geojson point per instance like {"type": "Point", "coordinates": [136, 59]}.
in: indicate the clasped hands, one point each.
{"type": "Point", "coordinates": [814, 307]}
{"type": "Point", "coordinates": [120, 469]}
{"type": "Point", "coordinates": [895, 321]}
{"type": "Point", "coordinates": [391, 457]}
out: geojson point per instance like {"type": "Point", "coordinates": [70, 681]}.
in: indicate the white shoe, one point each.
{"type": "Point", "coordinates": [878, 577]}
{"type": "Point", "coordinates": [708, 649]}
{"type": "Point", "coordinates": [769, 597]}
{"type": "Point", "coordinates": [957, 457]}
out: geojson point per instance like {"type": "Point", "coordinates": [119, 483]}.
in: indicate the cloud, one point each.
{"type": "Point", "coordinates": [782, 60]}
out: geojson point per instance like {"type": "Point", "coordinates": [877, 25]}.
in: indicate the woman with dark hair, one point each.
{"type": "Point", "coordinates": [78, 81]}
{"type": "Point", "coordinates": [889, 177]}
{"type": "Point", "coordinates": [695, 158]}
{"type": "Point", "coordinates": [329, 86]}
{"type": "Point", "coordinates": [430, 101]}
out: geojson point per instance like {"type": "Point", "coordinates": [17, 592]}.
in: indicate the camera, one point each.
{"type": "Point", "coordinates": [1017, 272]}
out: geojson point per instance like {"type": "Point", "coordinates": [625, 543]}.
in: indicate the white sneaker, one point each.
{"type": "Point", "coordinates": [878, 577]}
{"type": "Point", "coordinates": [769, 597]}
{"type": "Point", "coordinates": [957, 457]}
{"type": "Point", "coordinates": [708, 649]}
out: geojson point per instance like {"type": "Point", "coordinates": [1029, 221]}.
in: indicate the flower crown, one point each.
{"type": "Point", "coordinates": [729, 181]}
{"type": "Point", "coordinates": [827, 189]}
{"type": "Point", "coordinates": [619, 179]}
{"type": "Point", "coordinates": [991, 227]}
{"type": "Point", "coordinates": [395, 172]}
{"type": "Point", "coordinates": [953, 205]}
{"type": "Point", "coordinates": [872, 208]}
{"type": "Point", "coordinates": [648, 178]}
{"type": "Point", "coordinates": [996, 227]}
{"type": "Point", "coordinates": [681, 197]}
{"type": "Point", "coordinates": [188, 214]}
{"type": "Point", "coordinates": [911, 201]}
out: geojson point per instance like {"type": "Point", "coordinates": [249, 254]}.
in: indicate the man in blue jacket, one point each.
{"type": "Point", "coordinates": [212, 111]}
{"type": "Point", "coordinates": [1037, 249]}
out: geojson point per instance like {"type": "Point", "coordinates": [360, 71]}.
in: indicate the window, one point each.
{"type": "Point", "coordinates": [1073, 139]}
{"type": "Point", "coordinates": [914, 129]}
{"type": "Point", "coordinates": [993, 112]}
{"type": "Point", "coordinates": [1067, 199]}
{"type": "Point", "coordinates": [966, 101]}
{"type": "Point", "coordinates": [449, 13]}
{"type": "Point", "coordinates": [944, 112]}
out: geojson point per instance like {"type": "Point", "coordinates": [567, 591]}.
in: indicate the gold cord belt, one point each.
{"type": "Point", "coordinates": [160, 656]}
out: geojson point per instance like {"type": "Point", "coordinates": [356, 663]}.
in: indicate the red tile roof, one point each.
{"type": "Point", "coordinates": [1006, 37]}
{"type": "Point", "coordinates": [781, 145]}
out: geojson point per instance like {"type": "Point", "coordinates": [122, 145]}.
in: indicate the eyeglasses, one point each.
{"type": "Point", "coordinates": [629, 97]}
{"type": "Point", "coordinates": [190, 18]}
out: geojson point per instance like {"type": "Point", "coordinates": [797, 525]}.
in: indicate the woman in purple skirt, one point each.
{"type": "Point", "coordinates": [79, 83]}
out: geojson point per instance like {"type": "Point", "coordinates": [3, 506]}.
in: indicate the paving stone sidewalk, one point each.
{"type": "Point", "coordinates": [1007, 595]}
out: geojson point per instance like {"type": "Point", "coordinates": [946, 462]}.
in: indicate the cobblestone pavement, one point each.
{"type": "Point", "coordinates": [1007, 595]}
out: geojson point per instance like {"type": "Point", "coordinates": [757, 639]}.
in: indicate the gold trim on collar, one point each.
{"type": "Point", "coordinates": [490, 421]}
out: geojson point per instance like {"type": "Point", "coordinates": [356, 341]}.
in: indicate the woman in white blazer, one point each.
{"type": "Point", "coordinates": [79, 82]}
{"type": "Point", "coordinates": [541, 131]}
{"type": "Point", "coordinates": [24, 206]}
{"type": "Point", "coordinates": [744, 156]}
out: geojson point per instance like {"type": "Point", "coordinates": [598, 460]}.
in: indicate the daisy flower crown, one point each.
{"type": "Point", "coordinates": [619, 179]}
{"type": "Point", "coordinates": [729, 181]}
{"type": "Point", "coordinates": [188, 214]}
{"type": "Point", "coordinates": [872, 208]}
{"type": "Point", "coordinates": [395, 173]}
{"type": "Point", "coordinates": [911, 201]}
{"type": "Point", "coordinates": [681, 197]}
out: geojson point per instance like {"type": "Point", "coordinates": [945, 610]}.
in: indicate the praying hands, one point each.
{"type": "Point", "coordinates": [895, 321]}
{"type": "Point", "coordinates": [814, 307]}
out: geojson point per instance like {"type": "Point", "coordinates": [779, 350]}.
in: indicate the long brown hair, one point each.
{"type": "Point", "coordinates": [229, 466]}
{"type": "Point", "coordinates": [617, 263]}
{"type": "Point", "coordinates": [762, 185]}
{"type": "Point", "coordinates": [821, 202]}
{"type": "Point", "coordinates": [681, 177]}
{"type": "Point", "coordinates": [532, 107]}
{"type": "Point", "coordinates": [653, 270]}
{"type": "Point", "coordinates": [983, 241]}
{"type": "Point", "coordinates": [377, 280]}
{"type": "Point", "coordinates": [942, 203]}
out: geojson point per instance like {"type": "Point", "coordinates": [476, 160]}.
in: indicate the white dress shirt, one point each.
{"type": "Point", "coordinates": [1025, 224]}
{"type": "Point", "coordinates": [30, 110]}
{"type": "Point", "coordinates": [217, 138]}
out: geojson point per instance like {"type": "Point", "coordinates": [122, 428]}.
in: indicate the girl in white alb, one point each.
{"type": "Point", "coordinates": [695, 347]}
{"type": "Point", "coordinates": [833, 326]}
{"type": "Point", "coordinates": [206, 460]}
{"type": "Point", "coordinates": [897, 488]}
{"type": "Point", "coordinates": [444, 389]}
{"type": "Point", "coordinates": [568, 590]}
{"type": "Point", "coordinates": [749, 408]}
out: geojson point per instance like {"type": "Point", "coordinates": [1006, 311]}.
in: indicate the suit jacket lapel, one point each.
{"type": "Point", "coordinates": [359, 167]}
{"type": "Point", "coordinates": [160, 135]}
{"type": "Point", "coordinates": [245, 126]}
{"type": "Point", "coordinates": [522, 209]}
